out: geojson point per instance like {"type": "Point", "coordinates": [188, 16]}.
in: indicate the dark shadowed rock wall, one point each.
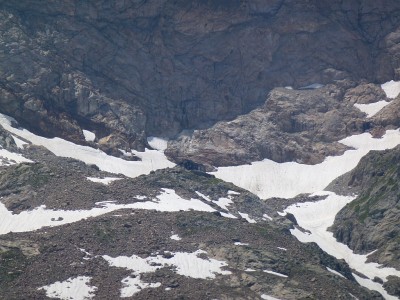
{"type": "Point", "coordinates": [156, 67]}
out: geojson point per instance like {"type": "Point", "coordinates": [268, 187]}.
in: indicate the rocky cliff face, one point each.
{"type": "Point", "coordinates": [292, 125]}
{"type": "Point", "coordinates": [370, 222]}
{"type": "Point", "coordinates": [140, 68]}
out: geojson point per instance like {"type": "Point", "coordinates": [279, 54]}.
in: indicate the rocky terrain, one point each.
{"type": "Point", "coordinates": [370, 222]}
{"type": "Point", "coordinates": [292, 125]}
{"type": "Point", "coordinates": [137, 68]}
{"type": "Point", "coordinates": [39, 258]}
{"type": "Point", "coordinates": [279, 97]}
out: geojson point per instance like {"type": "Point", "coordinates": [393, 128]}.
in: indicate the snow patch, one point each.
{"type": "Point", "coordinates": [105, 180]}
{"type": "Point", "coordinates": [250, 270]}
{"type": "Point", "coordinates": [233, 193]}
{"type": "Point", "coordinates": [20, 143]}
{"type": "Point", "coordinates": [89, 136]}
{"type": "Point", "coordinates": [175, 237]}
{"type": "Point", "coordinates": [157, 143]}
{"type": "Point", "coordinates": [224, 202]}
{"type": "Point", "coordinates": [391, 88]}
{"type": "Point", "coordinates": [335, 272]}
{"type": "Point", "coordinates": [183, 263]}
{"type": "Point", "coordinates": [246, 216]}
{"type": "Point", "coordinates": [166, 201]}
{"type": "Point", "coordinates": [77, 288]}
{"type": "Point", "coordinates": [275, 273]}
{"type": "Point", "coordinates": [266, 297]}
{"type": "Point", "coordinates": [281, 248]}
{"type": "Point", "coordinates": [151, 160]}
{"type": "Point", "coordinates": [8, 158]}
{"type": "Point", "coordinates": [371, 109]}
{"type": "Point", "coordinates": [203, 196]}
{"type": "Point", "coordinates": [317, 217]}
{"type": "Point", "coordinates": [133, 285]}
{"type": "Point", "coordinates": [265, 217]}
{"type": "Point", "coordinates": [241, 244]}
{"type": "Point", "coordinates": [368, 283]}
{"type": "Point", "coordinates": [269, 179]}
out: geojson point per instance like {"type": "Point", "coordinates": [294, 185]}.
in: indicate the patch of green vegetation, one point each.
{"type": "Point", "coordinates": [214, 180]}
{"type": "Point", "coordinates": [34, 174]}
{"type": "Point", "coordinates": [191, 225]}
{"type": "Point", "coordinates": [104, 233]}
{"type": "Point", "coordinates": [264, 231]}
{"type": "Point", "coordinates": [12, 264]}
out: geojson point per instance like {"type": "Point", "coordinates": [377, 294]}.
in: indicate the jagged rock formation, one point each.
{"type": "Point", "coordinates": [141, 68]}
{"type": "Point", "coordinates": [370, 222]}
{"type": "Point", "coordinates": [292, 125]}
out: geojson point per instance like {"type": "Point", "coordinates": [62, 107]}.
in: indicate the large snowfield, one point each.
{"type": "Point", "coordinates": [264, 178]}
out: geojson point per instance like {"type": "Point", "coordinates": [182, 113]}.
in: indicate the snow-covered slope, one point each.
{"type": "Point", "coordinates": [150, 159]}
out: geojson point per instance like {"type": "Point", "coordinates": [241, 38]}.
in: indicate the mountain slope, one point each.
{"type": "Point", "coordinates": [370, 222]}
{"type": "Point", "coordinates": [260, 255]}
{"type": "Point", "coordinates": [137, 68]}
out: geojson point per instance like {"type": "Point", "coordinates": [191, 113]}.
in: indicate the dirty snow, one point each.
{"type": "Point", "coordinates": [77, 288]}
{"type": "Point", "coordinates": [150, 159]}
{"type": "Point", "coordinates": [269, 179]}
{"type": "Point", "coordinates": [391, 89]}
{"type": "Point", "coordinates": [89, 136]}
{"type": "Point", "coordinates": [371, 109]}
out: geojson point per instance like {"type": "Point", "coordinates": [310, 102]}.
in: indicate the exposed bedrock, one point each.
{"type": "Point", "coordinates": [370, 222]}
{"type": "Point", "coordinates": [293, 125]}
{"type": "Point", "coordinates": [139, 68]}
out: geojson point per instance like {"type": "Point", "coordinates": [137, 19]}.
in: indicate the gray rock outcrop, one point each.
{"type": "Point", "coordinates": [156, 67]}
{"type": "Point", "coordinates": [370, 222]}
{"type": "Point", "coordinates": [292, 125]}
